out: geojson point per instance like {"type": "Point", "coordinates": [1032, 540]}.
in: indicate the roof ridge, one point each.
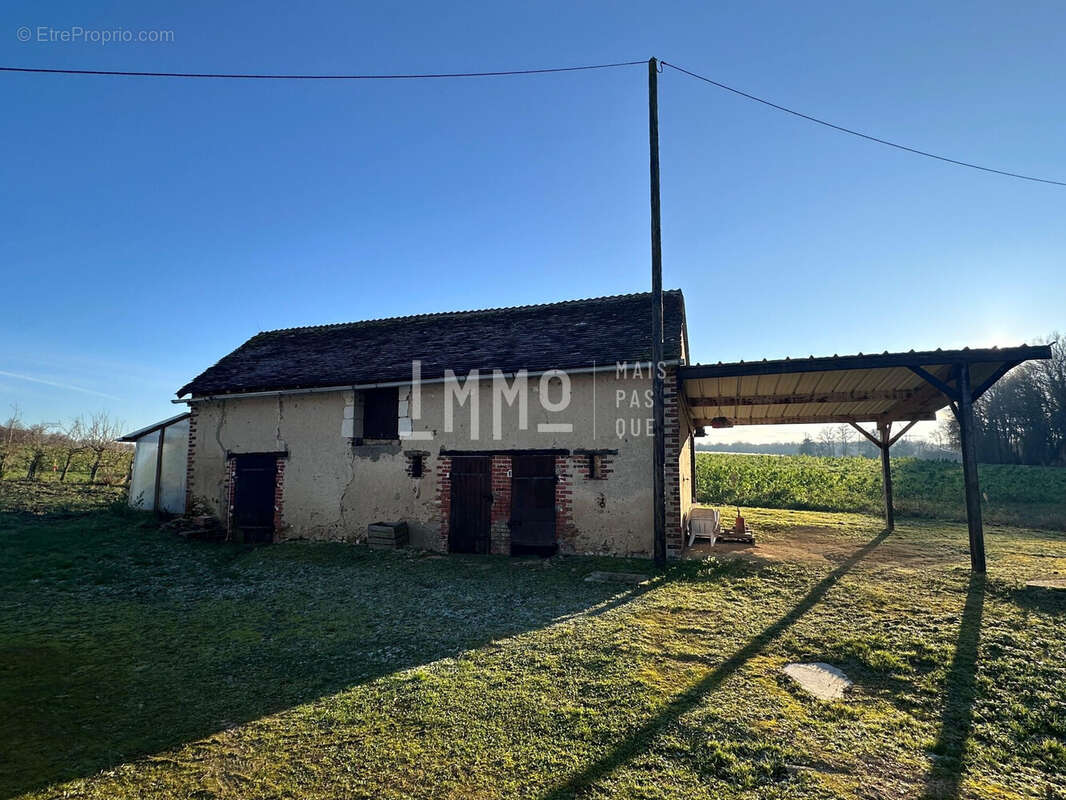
{"type": "Point", "coordinates": [471, 311]}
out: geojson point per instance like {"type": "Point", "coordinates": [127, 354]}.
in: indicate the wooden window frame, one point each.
{"type": "Point", "coordinates": [378, 424]}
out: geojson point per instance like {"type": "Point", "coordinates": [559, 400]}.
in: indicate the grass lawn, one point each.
{"type": "Point", "coordinates": [136, 664]}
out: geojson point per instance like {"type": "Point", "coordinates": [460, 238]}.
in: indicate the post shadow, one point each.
{"type": "Point", "coordinates": [960, 693]}
{"type": "Point", "coordinates": [687, 700]}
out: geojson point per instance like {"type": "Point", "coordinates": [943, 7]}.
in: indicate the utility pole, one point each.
{"type": "Point", "coordinates": [659, 413]}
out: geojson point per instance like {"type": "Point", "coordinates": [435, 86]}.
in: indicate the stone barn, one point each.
{"type": "Point", "coordinates": [508, 430]}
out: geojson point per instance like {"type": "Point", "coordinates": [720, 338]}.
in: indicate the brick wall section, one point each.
{"type": "Point", "coordinates": [444, 497]}
{"type": "Point", "coordinates": [583, 466]}
{"type": "Point", "coordinates": [190, 458]}
{"type": "Point", "coordinates": [229, 489]}
{"type": "Point", "coordinates": [565, 533]}
{"type": "Point", "coordinates": [500, 531]}
{"type": "Point", "coordinates": [279, 497]}
{"type": "Point", "coordinates": [672, 471]}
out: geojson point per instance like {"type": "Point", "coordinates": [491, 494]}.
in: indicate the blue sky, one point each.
{"type": "Point", "coordinates": [150, 226]}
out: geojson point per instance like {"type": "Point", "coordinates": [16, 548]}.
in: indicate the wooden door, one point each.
{"type": "Point", "coordinates": [533, 505]}
{"type": "Point", "coordinates": [471, 504]}
{"type": "Point", "coordinates": [253, 500]}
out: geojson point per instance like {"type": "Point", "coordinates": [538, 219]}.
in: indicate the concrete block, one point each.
{"type": "Point", "coordinates": [822, 680]}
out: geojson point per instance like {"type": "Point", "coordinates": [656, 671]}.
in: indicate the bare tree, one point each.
{"type": "Point", "coordinates": [828, 441]}
{"type": "Point", "coordinates": [73, 444]}
{"type": "Point", "coordinates": [99, 437]}
{"type": "Point", "coordinates": [9, 437]}
{"type": "Point", "coordinates": [37, 439]}
{"type": "Point", "coordinates": [845, 435]}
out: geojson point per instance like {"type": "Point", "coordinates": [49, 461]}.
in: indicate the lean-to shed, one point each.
{"type": "Point", "coordinates": [159, 465]}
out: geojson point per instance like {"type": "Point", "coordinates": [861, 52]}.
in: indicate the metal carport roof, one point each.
{"type": "Point", "coordinates": [886, 387]}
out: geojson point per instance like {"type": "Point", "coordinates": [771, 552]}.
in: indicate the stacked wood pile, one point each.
{"type": "Point", "coordinates": [199, 527]}
{"type": "Point", "coordinates": [387, 535]}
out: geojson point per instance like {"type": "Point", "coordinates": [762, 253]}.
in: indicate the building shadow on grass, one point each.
{"type": "Point", "coordinates": [960, 692]}
{"type": "Point", "coordinates": [119, 642]}
{"type": "Point", "coordinates": [641, 738]}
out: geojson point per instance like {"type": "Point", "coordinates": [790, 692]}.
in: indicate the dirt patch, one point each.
{"type": "Point", "coordinates": [823, 544]}
{"type": "Point", "coordinates": [801, 543]}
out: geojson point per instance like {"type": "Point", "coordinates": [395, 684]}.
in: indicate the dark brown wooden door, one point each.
{"type": "Point", "coordinates": [253, 500]}
{"type": "Point", "coordinates": [471, 504]}
{"type": "Point", "coordinates": [533, 505]}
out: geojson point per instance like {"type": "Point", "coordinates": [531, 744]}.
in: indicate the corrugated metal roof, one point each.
{"type": "Point", "coordinates": [138, 434]}
{"type": "Point", "coordinates": [859, 388]}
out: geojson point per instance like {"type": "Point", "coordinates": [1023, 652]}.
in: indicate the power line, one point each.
{"type": "Point", "coordinates": [861, 135]}
{"type": "Point", "coordinates": [328, 77]}
{"type": "Point", "coordinates": [540, 71]}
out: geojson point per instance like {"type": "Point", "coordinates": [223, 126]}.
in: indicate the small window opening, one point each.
{"type": "Point", "coordinates": [596, 472]}
{"type": "Point", "coordinates": [414, 465]}
{"type": "Point", "coordinates": [381, 413]}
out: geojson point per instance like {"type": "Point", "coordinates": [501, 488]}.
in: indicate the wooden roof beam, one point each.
{"type": "Point", "coordinates": [816, 419]}
{"type": "Point", "coordinates": [988, 382]}
{"type": "Point", "coordinates": [866, 433]}
{"type": "Point", "coordinates": [945, 388]}
{"type": "Point", "coordinates": [857, 396]}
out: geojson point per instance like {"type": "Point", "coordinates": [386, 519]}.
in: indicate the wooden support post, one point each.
{"type": "Point", "coordinates": [658, 407]}
{"type": "Point", "coordinates": [692, 464]}
{"type": "Point", "coordinates": [969, 468]}
{"type": "Point", "coordinates": [884, 430]}
{"type": "Point", "coordinates": [158, 469]}
{"type": "Point", "coordinates": [899, 435]}
{"type": "Point", "coordinates": [866, 433]}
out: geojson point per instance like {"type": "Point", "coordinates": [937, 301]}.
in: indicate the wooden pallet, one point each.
{"type": "Point", "coordinates": [747, 536]}
{"type": "Point", "coordinates": [387, 535]}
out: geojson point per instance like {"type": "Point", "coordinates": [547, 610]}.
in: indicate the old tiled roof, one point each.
{"type": "Point", "coordinates": [567, 335]}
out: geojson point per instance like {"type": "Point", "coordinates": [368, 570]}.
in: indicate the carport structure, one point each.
{"type": "Point", "coordinates": [882, 389]}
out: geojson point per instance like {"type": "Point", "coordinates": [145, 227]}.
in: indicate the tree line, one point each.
{"type": "Point", "coordinates": [1022, 418]}
{"type": "Point", "coordinates": [84, 447]}
{"type": "Point", "coordinates": [843, 441]}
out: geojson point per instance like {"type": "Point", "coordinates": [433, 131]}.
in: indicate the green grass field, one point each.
{"type": "Point", "coordinates": [51, 496]}
{"type": "Point", "coordinates": [137, 664]}
{"type": "Point", "coordinates": [1028, 496]}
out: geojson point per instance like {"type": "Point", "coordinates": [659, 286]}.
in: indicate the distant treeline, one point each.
{"type": "Point", "coordinates": [84, 450]}
{"type": "Point", "coordinates": [1022, 418]}
{"type": "Point", "coordinates": [842, 441]}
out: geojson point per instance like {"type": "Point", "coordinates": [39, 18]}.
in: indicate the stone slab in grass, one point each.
{"type": "Point", "coordinates": [1058, 584]}
{"type": "Point", "coordinates": [824, 681]}
{"type": "Point", "coordinates": [616, 577]}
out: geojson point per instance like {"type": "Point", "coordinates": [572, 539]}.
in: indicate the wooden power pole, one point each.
{"type": "Point", "coordinates": [658, 409]}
